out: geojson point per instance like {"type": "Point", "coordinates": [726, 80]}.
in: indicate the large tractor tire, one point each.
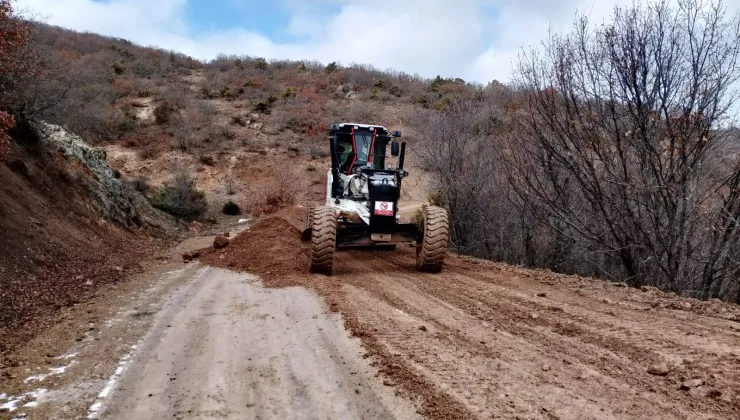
{"type": "Point", "coordinates": [431, 253]}
{"type": "Point", "coordinates": [310, 207]}
{"type": "Point", "coordinates": [307, 225]}
{"type": "Point", "coordinates": [323, 239]}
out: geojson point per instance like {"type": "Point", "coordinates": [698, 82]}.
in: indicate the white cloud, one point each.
{"type": "Point", "coordinates": [473, 39]}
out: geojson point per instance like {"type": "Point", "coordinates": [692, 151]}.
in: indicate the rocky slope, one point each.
{"type": "Point", "coordinates": [68, 225]}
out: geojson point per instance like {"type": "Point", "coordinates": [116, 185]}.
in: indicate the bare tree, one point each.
{"type": "Point", "coordinates": [626, 150]}
{"type": "Point", "coordinates": [458, 146]}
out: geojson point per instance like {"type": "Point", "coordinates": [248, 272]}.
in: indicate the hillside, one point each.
{"type": "Point", "coordinates": [241, 125]}
{"type": "Point", "coordinates": [249, 131]}
{"type": "Point", "coordinates": [69, 227]}
{"type": "Point", "coordinates": [240, 129]}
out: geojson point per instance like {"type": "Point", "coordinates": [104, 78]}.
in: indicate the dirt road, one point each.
{"type": "Point", "coordinates": [225, 347]}
{"type": "Point", "coordinates": [376, 340]}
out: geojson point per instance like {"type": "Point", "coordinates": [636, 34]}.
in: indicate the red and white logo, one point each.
{"type": "Point", "coordinates": [384, 208]}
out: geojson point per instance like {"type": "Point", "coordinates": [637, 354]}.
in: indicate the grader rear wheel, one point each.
{"type": "Point", "coordinates": [323, 240]}
{"type": "Point", "coordinates": [431, 253]}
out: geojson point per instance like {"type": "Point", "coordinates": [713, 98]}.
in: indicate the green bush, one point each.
{"type": "Point", "coordinates": [265, 106]}
{"type": "Point", "coordinates": [261, 64]}
{"type": "Point", "coordinates": [290, 93]}
{"type": "Point", "coordinates": [374, 93]}
{"type": "Point", "coordinates": [231, 209]}
{"type": "Point", "coordinates": [118, 69]}
{"type": "Point", "coordinates": [181, 199]}
{"type": "Point", "coordinates": [333, 67]}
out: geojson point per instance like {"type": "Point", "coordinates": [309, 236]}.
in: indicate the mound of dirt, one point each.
{"type": "Point", "coordinates": [270, 248]}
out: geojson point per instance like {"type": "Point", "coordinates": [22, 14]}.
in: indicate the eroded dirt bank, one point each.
{"type": "Point", "coordinates": [483, 340]}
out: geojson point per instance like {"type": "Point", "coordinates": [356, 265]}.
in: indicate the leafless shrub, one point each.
{"type": "Point", "coordinates": [148, 152]}
{"type": "Point", "coordinates": [624, 156]}
{"type": "Point", "coordinates": [363, 112]}
{"type": "Point", "coordinates": [176, 96]}
{"type": "Point", "coordinates": [207, 159]}
{"type": "Point", "coordinates": [273, 198]}
{"type": "Point", "coordinates": [317, 152]}
{"type": "Point", "coordinates": [230, 186]}
{"type": "Point", "coordinates": [140, 184]}
{"type": "Point", "coordinates": [456, 149]}
{"type": "Point", "coordinates": [239, 120]}
{"type": "Point", "coordinates": [183, 133]}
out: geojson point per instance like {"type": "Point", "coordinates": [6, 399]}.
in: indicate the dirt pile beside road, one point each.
{"type": "Point", "coordinates": [486, 340]}
{"type": "Point", "coordinates": [268, 248]}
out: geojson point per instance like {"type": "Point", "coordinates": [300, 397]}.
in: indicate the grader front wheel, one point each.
{"type": "Point", "coordinates": [310, 207]}
{"type": "Point", "coordinates": [431, 253]}
{"type": "Point", "coordinates": [323, 240]}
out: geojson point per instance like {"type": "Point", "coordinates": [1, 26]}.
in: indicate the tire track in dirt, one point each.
{"type": "Point", "coordinates": [484, 340]}
{"type": "Point", "coordinates": [478, 351]}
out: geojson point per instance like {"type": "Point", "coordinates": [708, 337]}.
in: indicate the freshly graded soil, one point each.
{"type": "Point", "coordinates": [486, 340]}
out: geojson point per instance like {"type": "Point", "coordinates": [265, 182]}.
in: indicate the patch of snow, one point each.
{"type": "Point", "coordinates": [94, 409]}
{"type": "Point", "coordinates": [11, 405]}
{"type": "Point", "coordinates": [3, 396]}
{"type": "Point", "coordinates": [28, 400]}
{"type": "Point", "coordinates": [241, 221]}
{"type": "Point", "coordinates": [52, 371]}
{"type": "Point", "coordinates": [21, 416]}
{"type": "Point", "coordinates": [67, 356]}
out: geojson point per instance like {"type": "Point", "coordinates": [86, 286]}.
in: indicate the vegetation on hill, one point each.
{"type": "Point", "coordinates": [611, 155]}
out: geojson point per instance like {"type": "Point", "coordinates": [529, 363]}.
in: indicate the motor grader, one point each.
{"type": "Point", "coordinates": [360, 207]}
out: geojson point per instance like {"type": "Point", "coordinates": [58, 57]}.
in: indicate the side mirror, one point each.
{"type": "Point", "coordinates": [395, 148]}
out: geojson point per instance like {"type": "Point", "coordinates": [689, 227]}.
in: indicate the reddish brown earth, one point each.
{"type": "Point", "coordinates": [55, 248]}
{"type": "Point", "coordinates": [485, 340]}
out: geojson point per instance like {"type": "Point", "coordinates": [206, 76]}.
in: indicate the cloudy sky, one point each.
{"type": "Point", "coordinates": [474, 39]}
